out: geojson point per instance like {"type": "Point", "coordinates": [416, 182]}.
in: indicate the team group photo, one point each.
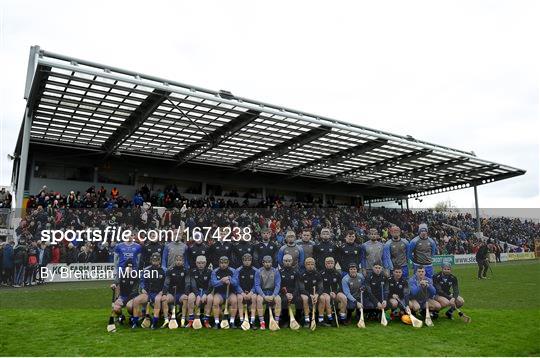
{"type": "Point", "coordinates": [297, 280]}
{"type": "Point", "coordinates": [269, 179]}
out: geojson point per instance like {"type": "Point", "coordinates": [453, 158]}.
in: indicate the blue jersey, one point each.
{"type": "Point", "coordinates": [127, 252]}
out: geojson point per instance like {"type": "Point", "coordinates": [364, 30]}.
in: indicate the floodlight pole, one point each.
{"type": "Point", "coordinates": [23, 159]}
{"type": "Point", "coordinates": [478, 229]}
{"type": "Point", "coordinates": [407, 203]}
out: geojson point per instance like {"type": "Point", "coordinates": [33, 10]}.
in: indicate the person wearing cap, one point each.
{"type": "Point", "coordinates": [325, 248]}
{"type": "Point", "coordinates": [290, 284]}
{"type": "Point", "coordinates": [398, 290]}
{"type": "Point", "coordinates": [373, 252]}
{"type": "Point", "coordinates": [176, 290]}
{"type": "Point", "coordinates": [421, 250]}
{"type": "Point", "coordinates": [239, 249]}
{"type": "Point", "coordinates": [396, 250]}
{"type": "Point", "coordinates": [220, 248]}
{"type": "Point", "coordinates": [198, 248]}
{"type": "Point", "coordinates": [267, 286]}
{"type": "Point", "coordinates": [223, 277]}
{"type": "Point", "coordinates": [292, 249]}
{"type": "Point", "coordinates": [311, 288]}
{"type": "Point", "coordinates": [306, 242]}
{"type": "Point", "coordinates": [349, 253]}
{"type": "Point", "coordinates": [245, 291]}
{"type": "Point", "coordinates": [126, 290]}
{"type": "Point", "coordinates": [265, 248]}
{"type": "Point", "coordinates": [151, 284]}
{"type": "Point", "coordinates": [422, 292]}
{"type": "Point", "coordinates": [376, 290]}
{"type": "Point", "coordinates": [353, 287]}
{"type": "Point", "coordinates": [331, 279]}
{"type": "Point", "coordinates": [201, 290]}
{"type": "Point", "coordinates": [447, 288]}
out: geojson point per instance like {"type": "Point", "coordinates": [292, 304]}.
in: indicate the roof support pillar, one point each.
{"type": "Point", "coordinates": [23, 159]}
{"type": "Point", "coordinates": [203, 188]}
{"type": "Point", "coordinates": [477, 210]}
{"type": "Point", "coordinates": [407, 203]}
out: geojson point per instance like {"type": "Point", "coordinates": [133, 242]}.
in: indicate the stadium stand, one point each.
{"type": "Point", "coordinates": [102, 146]}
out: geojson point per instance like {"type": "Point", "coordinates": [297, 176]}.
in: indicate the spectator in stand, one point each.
{"type": "Point", "coordinates": [7, 263]}
{"type": "Point", "coordinates": [20, 259]}
{"type": "Point", "coordinates": [138, 199]}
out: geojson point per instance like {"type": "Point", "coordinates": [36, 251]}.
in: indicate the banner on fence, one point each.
{"type": "Point", "coordinates": [439, 259]}
{"type": "Point", "coordinates": [512, 256]}
{"type": "Point", "coordinates": [464, 259]}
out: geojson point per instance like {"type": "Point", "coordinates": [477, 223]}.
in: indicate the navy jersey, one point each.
{"type": "Point", "coordinates": [177, 278]}
{"type": "Point", "coordinates": [331, 280]}
{"type": "Point", "coordinates": [200, 280]}
{"type": "Point", "coordinates": [263, 249]}
{"type": "Point", "coordinates": [310, 279]}
{"type": "Point", "coordinates": [446, 285]}
{"type": "Point", "coordinates": [323, 250]}
{"type": "Point", "coordinates": [239, 250]}
{"type": "Point", "coordinates": [245, 278]}
{"type": "Point", "coordinates": [148, 250]}
{"type": "Point", "coordinates": [376, 287]}
{"type": "Point", "coordinates": [153, 279]}
{"type": "Point", "coordinates": [349, 253]}
{"type": "Point", "coordinates": [218, 249]}
{"type": "Point", "coordinates": [290, 280]}
{"type": "Point", "coordinates": [398, 287]}
{"type": "Point", "coordinates": [128, 286]}
{"type": "Point", "coordinates": [197, 250]}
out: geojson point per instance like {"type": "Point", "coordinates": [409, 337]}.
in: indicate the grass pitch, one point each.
{"type": "Point", "coordinates": [69, 319]}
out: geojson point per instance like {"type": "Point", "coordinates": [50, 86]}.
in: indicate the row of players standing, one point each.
{"type": "Point", "coordinates": [395, 252]}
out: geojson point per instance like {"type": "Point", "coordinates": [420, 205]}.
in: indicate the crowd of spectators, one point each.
{"type": "Point", "coordinates": [5, 199]}
{"type": "Point", "coordinates": [99, 208]}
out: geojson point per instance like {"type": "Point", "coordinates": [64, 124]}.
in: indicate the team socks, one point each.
{"type": "Point", "coordinates": [330, 317]}
{"type": "Point", "coordinates": [191, 317]}
{"type": "Point", "coordinates": [206, 317]}
{"type": "Point", "coordinates": [306, 319]}
{"type": "Point", "coordinates": [216, 321]}
{"type": "Point", "coordinates": [321, 318]}
{"type": "Point", "coordinates": [252, 320]}
{"type": "Point", "coordinates": [343, 316]}
{"type": "Point", "coordinates": [277, 318]}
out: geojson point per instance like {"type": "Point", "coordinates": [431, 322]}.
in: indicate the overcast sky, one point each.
{"type": "Point", "coordinates": [463, 74]}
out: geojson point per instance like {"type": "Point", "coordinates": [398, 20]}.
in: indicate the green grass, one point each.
{"type": "Point", "coordinates": [69, 319]}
